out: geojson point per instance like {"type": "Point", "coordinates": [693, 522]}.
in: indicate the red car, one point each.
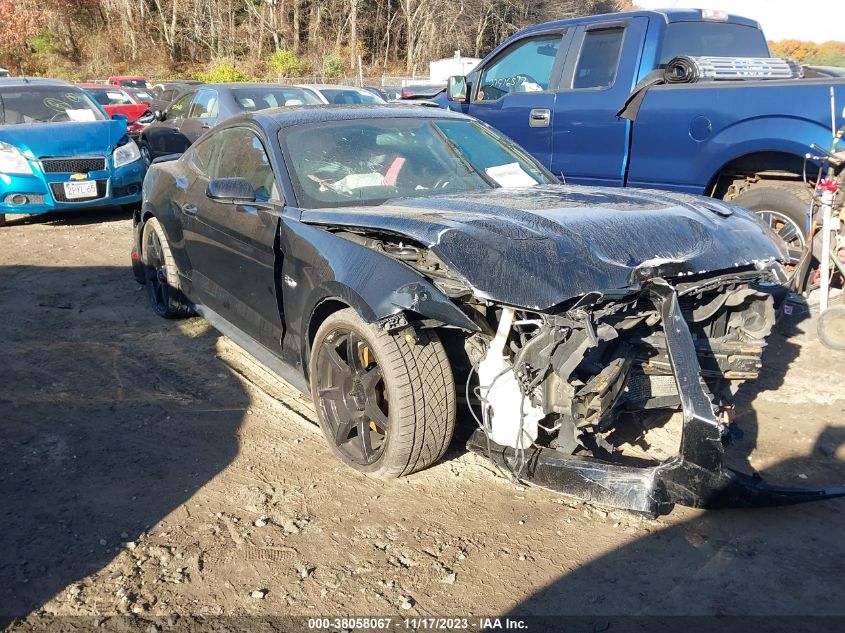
{"type": "Point", "coordinates": [130, 81]}
{"type": "Point", "coordinates": [115, 100]}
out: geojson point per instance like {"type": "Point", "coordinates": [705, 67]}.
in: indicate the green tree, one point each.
{"type": "Point", "coordinates": [285, 63]}
{"type": "Point", "coordinates": [223, 73]}
{"type": "Point", "coordinates": [333, 66]}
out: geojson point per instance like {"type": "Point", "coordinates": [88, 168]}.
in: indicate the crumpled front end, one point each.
{"type": "Point", "coordinates": [583, 400]}
{"type": "Point", "coordinates": [611, 330]}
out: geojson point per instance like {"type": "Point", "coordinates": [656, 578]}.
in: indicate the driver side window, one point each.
{"type": "Point", "coordinates": [239, 153]}
{"type": "Point", "coordinates": [524, 67]}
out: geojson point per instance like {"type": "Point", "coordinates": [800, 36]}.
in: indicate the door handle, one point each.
{"type": "Point", "coordinates": [205, 126]}
{"type": "Point", "coordinates": [539, 117]}
{"type": "Point", "coordinates": [189, 209]}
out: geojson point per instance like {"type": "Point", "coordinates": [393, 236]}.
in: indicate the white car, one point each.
{"type": "Point", "coordinates": [347, 95]}
{"type": "Point", "coordinates": [5, 73]}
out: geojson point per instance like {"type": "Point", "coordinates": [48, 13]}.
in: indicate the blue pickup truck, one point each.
{"type": "Point", "coordinates": [557, 88]}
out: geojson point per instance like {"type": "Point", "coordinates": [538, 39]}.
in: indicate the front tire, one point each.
{"type": "Point", "coordinates": [162, 279]}
{"type": "Point", "coordinates": [385, 402]}
{"type": "Point", "coordinates": [2, 219]}
{"type": "Point", "coordinates": [146, 152]}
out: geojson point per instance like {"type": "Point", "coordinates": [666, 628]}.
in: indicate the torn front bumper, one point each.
{"type": "Point", "coordinates": [696, 477]}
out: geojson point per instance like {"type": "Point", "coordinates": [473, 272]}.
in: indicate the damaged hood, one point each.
{"type": "Point", "coordinates": [537, 247]}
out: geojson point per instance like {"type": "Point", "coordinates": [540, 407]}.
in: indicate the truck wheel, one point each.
{"type": "Point", "coordinates": [2, 219]}
{"type": "Point", "coordinates": [385, 402]}
{"type": "Point", "coordinates": [783, 210]}
{"type": "Point", "coordinates": [162, 280]}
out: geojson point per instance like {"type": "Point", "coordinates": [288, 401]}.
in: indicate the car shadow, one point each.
{"type": "Point", "coordinates": [71, 218]}
{"type": "Point", "coordinates": [110, 419]}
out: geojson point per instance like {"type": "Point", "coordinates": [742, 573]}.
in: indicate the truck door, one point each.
{"type": "Point", "coordinates": [514, 91]}
{"type": "Point", "coordinates": [590, 143]}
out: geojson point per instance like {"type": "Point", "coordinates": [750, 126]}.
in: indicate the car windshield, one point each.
{"type": "Point", "coordinates": [109, 96]}
{"type": "Point", "coordinates": [43, 104]}
{"type": "Point", "coordinates": [261, 98]}
{"type": "Point", "coordinates": [365, 162]}
{"type": "Point", "coordinates": [340, 95]}
{"type": "Point", "coordinates": [134, 83]}
{"type": "Point", "coordinates": [712, 39]}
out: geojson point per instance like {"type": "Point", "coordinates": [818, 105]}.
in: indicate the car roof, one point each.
{"type": "Point", "coordinates": [20, 82]}
{"type": "Point", "coordinates": [278, 118]}
{"type": "Point", "coordinates": [666, 15]}
{"type": "Point", "coordinates": [246, 85]}
{"type": "Point", "coordinates": [330, 87]}
{"type": "Point", "coordinates": [128, 77]}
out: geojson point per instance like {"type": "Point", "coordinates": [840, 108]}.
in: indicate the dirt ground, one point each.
{"type": "Point", "coordinates": [150, 468]}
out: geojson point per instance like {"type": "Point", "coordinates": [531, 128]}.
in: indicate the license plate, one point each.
{"type": "Point", "coordinates": [81, 189]}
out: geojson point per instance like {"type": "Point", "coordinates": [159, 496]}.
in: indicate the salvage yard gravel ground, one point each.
{"type": "Point", "coordinates": [152, 469]}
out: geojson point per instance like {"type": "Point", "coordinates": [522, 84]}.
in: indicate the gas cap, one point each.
{"type": "Point", "coordinates": [700, 128]}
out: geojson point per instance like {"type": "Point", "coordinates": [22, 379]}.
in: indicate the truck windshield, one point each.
{"type": "Point", "coordinates": [713, 39]}
{"type": "Point", "coordinates": [46, 104]}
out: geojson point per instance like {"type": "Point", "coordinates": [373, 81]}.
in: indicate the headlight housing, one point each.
{"type": "Point", "coordinates": [12, 161]}
{"type": "Point", "coordinates": [125, 154]}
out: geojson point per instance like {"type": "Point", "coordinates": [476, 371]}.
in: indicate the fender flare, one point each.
{"type": "Point", "coordinates": [743, 139]}
{"type": "Point", "coordinates": [372, 283]}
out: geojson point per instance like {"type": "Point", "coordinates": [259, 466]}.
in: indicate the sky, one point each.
{"type": "Point", "coordinates": [817, 20]}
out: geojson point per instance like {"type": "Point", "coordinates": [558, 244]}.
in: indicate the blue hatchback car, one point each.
{"type": "Point", "coordinates": [59, 151]}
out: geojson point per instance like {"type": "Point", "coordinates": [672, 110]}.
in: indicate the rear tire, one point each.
{"type": "Point", "coordinates": [2, 219]}
{"type": "Point", "coordinates": [385, 402]}
{"type": "Point", "coordinates": [162, 278]}
{"type": "Point", "coordinates": [783, 210]}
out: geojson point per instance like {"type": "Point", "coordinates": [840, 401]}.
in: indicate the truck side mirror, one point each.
{"type": "Point", "coordinates": [160, 115]}
{"type": "Point", "coordinates": [456, 90]}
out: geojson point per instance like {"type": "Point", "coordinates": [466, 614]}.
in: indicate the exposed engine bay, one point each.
{"type": "Point", "coordinates": [553, 391]}
{"type": "Point", "coordinates": [563, 380]}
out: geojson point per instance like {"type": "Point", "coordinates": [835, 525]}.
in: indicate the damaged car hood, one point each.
{"type": "Point", "coordinates": [540, 246]}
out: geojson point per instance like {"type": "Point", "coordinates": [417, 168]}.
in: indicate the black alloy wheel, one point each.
{"type": "Point", "coordinates": [353, 396]}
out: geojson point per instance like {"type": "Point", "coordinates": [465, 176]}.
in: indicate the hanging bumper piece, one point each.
{"type": "Point", "coordinates": [696, 477]}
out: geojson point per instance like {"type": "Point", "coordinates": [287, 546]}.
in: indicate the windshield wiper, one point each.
{"type": "Point", "coordinates": [464, 160]}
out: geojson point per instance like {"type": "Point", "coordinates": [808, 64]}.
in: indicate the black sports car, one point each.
{"type": "Point", "coordinates": [393, 262]}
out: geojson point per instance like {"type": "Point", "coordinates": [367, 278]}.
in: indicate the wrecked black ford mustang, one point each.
{"type": "Point", "coordinates": [400, 265]}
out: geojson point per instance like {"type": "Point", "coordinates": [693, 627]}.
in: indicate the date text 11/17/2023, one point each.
{"type": "Point", "coordinates": [418, 624]}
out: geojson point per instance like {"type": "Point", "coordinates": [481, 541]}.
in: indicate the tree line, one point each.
{"type": "Point", "coordinates": [264, 38]}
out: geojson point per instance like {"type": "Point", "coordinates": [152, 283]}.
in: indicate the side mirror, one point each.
{"type": "Point", "coordinates": [119, 117]}
{"type": "Point", "coordinates": [456, 89]}
{"type": "Point", "coordinates": [233, 190]}
{"type": "Point", "coordinates": [159, 115]}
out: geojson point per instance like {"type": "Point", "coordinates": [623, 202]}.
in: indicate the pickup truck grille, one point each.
{"type": "Point", "coordinates": [58, 190]}
{"type": "Point", "coordinates": [72, 165]}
